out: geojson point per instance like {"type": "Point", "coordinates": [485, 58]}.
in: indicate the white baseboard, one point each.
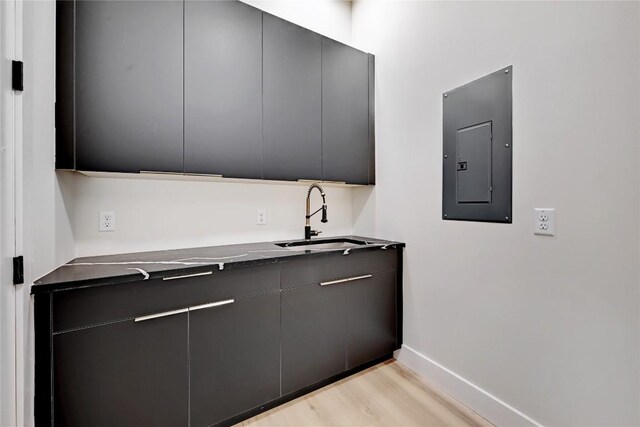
{"type": "Point", "coordinates": [480, 401]}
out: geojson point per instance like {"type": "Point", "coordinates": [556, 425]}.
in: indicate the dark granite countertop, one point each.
{"type": "Point", "coordinates": [111, 269]}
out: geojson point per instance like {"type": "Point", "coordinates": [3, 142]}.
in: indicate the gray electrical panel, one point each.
{"type": "Point", "coordinates": [477, 148]}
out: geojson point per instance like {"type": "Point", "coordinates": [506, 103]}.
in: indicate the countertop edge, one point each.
{"type": "Point", "coordinates": [45, 288]}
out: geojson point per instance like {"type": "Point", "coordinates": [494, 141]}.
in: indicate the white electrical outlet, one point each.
{"type": "Point", "coordinates": [544, 221]}
{"type": "Point", "coordinates": [262, 217]}
{"type": "Point", "coordinates": [107, 221]}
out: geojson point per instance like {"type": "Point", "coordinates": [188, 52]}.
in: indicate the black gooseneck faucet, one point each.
{"type": "Point", "coordinates": [308, 232]}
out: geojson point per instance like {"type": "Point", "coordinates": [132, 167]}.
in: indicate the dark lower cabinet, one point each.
{"type": "Point", "coordinates": [313, 334]}
{"type": "Point", "coordinates": [211, 348]}
{"type": "Point", "coordinates": [234, 357]}
{"type": "Point", "coordinates": [371, 318]}
{"type": "Point", "coordinates": [122, 374]}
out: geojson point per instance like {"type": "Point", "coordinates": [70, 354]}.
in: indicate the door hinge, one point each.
{"type": "Point", "coordinates": [18, 270]}
{"type": "Point", "coordinates": [17, 75]}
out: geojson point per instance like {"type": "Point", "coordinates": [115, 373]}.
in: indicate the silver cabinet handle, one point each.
{"type": "Point", "coordinates": [206, 273]}
{"type": "Point", "coordinates": [165, 314]}
{"type": "Point", "coordinates": [366, 276]}
{"type": "Point", "coordinates": [161, 173]}
{"type": "Point", "coordinates": [213, 304]}
{"type": "Point", "coordinates": [334, 282]}
{"type": "Point", "coordinates": [183, 310]}
{"type": "Point", "coordinates": [349, 279]}
{"type": "Point", "coordinates": [212, 175]}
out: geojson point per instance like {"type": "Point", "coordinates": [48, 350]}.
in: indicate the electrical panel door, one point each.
{"type": "Point", "coordinates": [477, 147]}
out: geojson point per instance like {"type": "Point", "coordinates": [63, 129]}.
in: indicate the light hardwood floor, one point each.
{"type": "Point", "coordinates": [387, 394]}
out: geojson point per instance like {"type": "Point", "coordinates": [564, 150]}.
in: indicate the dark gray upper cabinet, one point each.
{"type": "Point", "coordinates": [122, 374]}
{"type": "Point", "coordinates": [313, 334]}
{"type": "Point", "coordinates": [128, 85]}
{"type": "Point", "coordinates": [292, 121]}
{"type": "Point", "coordinates": [372, 119]}
{"type": "Point", "coordinates": [223, 89]}
{"type": "Point", "coordinates": [65, 121]}
{"type": "Point", "coordinates": [234, 352]}
{"type": "Point", "coordinates": [371, 318]}
{"type": "Point", "coordinates": [209, 87]}
{"type": "Point", "coordinates": [345, 113]}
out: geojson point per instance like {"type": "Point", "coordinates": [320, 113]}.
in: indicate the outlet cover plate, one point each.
{"type": "Point", "coordinates": [544, 221]}
{"type": "Point", "coordinates": [107, 221]}
{"type": "Point", "coordinates": [261, 218]}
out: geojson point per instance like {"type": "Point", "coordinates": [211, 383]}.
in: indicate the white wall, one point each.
{"type": "Point", "coordinates": [547, 325]}
{"type": "Point", "coordinates": [7, 238]}
{"type": "Point", "coordinates": [152, 214]}
{"type": "Point", "coordinates": [47, 204]}
{"type": "Point", "coordinates": [44, 207]}
{"type": "Point", "coordinates": [331, 18]}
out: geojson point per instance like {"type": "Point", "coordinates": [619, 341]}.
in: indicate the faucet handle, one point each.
{"type": "Point", "coordinates": [315, 232]}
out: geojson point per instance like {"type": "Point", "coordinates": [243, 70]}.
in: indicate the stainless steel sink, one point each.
{"type": "Point", "coordinates": [321, 244]}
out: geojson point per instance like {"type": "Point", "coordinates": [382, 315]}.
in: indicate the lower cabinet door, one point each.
{"type": "Point", "coordinates": [123, 374]}
{"type": "Point", "coordinates": [234, 353]}
{"type": "Point", "coordinates": [313, 334]}
{"type": "Point", "coordinates": [371, 318]}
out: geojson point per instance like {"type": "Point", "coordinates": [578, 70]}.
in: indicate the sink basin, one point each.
{"type": "Point", "coordinates": [320, 244]}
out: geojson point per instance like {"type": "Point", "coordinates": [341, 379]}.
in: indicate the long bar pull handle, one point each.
{"type": "Point", "coordinates": [206, 273]}
{"type": "Point", "coordinates": [183, 310]}
{"type": "Point", "coordinates": [157, 315]}
{"type": "Point", "coordinates": [334, 282]}
{"type": "Point", "coordinates": [349, 279]}
{"type": "Point", "coordinates": [366, 276]}
{"type": "Point", "coordinates": [213, 304]}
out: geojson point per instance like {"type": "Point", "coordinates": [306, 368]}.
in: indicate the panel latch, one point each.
{"type": "Point", "coordinates": [17, 75]}
{"type": "Point", "coordinates": [18, 270]}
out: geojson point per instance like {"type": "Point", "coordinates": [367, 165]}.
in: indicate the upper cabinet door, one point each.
{"type": "Point", "coordinates": [372, 119]}
{"type": "Point", "coordinates": [128, 90]}
{"type": "Point", "coordinates": [65, 126]}
{"type": "Point", "coordinates": [223, 89]}
{"type": "Point", "coordinates": [345, 113]}
{"type": "Point", "coordinates": [292, 121]}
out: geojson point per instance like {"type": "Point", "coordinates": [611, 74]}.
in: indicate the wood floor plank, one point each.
{"type": "Point", "coordinates": [388, 394]}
